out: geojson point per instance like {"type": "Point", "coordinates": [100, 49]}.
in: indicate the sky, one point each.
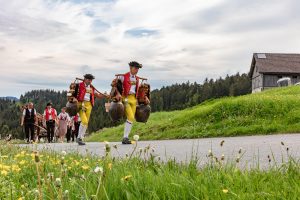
{"type": "Point", "coordinates": [45, 44]}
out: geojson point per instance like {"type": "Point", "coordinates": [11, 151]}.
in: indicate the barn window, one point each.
{"type": "Point", "coordinates": [295, 77]}
{"type": "Point", "coordinates": [279, 76]}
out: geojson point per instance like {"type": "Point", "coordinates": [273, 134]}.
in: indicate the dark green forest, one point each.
{"type": "Point", "coordinates": [174, 97]}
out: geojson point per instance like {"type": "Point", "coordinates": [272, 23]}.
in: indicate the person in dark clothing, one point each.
{"type": "Point", "coordinates": [77, 122]}
{"type": "Point", "coordinates": [50, 115]}
{"type": "Point", "coordinates": [28, 120]}
{"type": "Point", "coordinates": [73, 128]}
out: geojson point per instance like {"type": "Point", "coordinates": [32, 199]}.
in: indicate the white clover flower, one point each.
{"type": "Point", "coordinates": [36, 192]}
{"type": "Point", "coordinates": [98, 169]}
{"type": "Point", "coordinates": [58, 182]}
{"type": "Point", "coordinates": [136, 137]}
{"type": "Point", "coordinates": [64, 153]}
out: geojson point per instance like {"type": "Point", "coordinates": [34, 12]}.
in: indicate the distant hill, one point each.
{"type": "Point", "coordinates": [269, 112]}
{"type": "Point", "coordinates": [10, 98]}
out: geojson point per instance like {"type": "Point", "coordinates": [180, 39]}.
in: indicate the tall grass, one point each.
{"type": "Point", "coordinates": [27, 174]}
{"type": "Point", "coordinates": [269, 112]}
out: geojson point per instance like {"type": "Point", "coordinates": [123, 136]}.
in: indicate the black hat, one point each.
{"type": "Point", "coordinates": [135, 64]}
{"type": "Point", "coordinates": [89, 76]}
{"type": "Point", "coordinates": [49, 104]}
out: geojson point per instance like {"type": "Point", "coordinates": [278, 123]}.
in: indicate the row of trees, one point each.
{"type": "Point", "coordinates": [174, 97]}
{"type": "Point", "coordinates": [9, 118]}
{"type": "Point", "coordinates": [180, 96]}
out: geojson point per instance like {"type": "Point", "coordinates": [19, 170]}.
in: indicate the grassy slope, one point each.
{"type": "Point", "coordinates": [272, 111]}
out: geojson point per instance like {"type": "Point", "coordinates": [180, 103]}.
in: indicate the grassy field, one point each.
{"type": "Point", "coordinates": [27, 174]}
{"type": "Point", "coordinates": [269, 112]}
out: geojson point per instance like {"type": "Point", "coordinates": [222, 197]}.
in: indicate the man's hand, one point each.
{"type": "Point", "coordinates": [22, 123]}
{"type": "Point", "coordinates": [118, 97]}
{"type": "Point", "coordinates": [100, 96]}
{"type": "Point", "coordinates": [147, 101]}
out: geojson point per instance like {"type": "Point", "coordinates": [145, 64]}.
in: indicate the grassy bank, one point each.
{"type": "Point", "coordinates": [272, 111]}
{"type": "Point", "coordinates": [30, 175]}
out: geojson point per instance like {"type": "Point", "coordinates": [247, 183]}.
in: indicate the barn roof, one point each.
{"type": "Point", "coordinates": [276, 63]}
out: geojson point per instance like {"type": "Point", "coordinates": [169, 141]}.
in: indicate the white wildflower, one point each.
{"type": "Point", "coordinates": [136, 137]}
{"type": "Point", "coordinates": [98, 169]}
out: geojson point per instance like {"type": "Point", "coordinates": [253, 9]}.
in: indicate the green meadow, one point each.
{"type": "Point", "coordinates": [269, 112]}
{"type": "Point", "coordinates": [29, 174]}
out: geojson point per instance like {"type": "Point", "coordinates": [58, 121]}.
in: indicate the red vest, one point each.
{"type": "Point", "coordinates": [76, 118]}
{"type": "Point", "coordinates": [81, 93]}
{"type": "Point", "coordinates": [52, 114]}
{"type": "Point", "coordinates": [127, 85]}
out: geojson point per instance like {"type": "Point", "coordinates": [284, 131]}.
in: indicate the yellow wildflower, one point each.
{"type": "Point", "coordinates": [126, 178]}
{"type": "Point", "coordinates": [4, 167]}
{"type": "Point", "coordinates": [22, 162]}
{"type": "Point", "coordinates": [225, 191]}
{"type": "Point", "coordinates": [15, 168]}
{"type": "Point", "coordinates": [4, 156]}
{"type": "Point", "coordinates": [76, 162]}
{"type": "Point", "coordinates": [4, 172]}
{"type": "Point", "coordinates": [85, 167]}
{"type": "Point", "coordinates": [109, 166]}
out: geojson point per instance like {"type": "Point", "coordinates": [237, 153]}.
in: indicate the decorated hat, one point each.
{"type": "Point", "coordinates": [89, 76]}
{"type": "Point", "coordinates": [135, 64]}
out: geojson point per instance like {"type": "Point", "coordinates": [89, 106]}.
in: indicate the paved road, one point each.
{"type": "Point", "coordinates": [255, 149]}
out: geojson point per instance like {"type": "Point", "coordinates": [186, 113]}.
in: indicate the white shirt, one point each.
{"type": "Point", "coordinates": [24, 111]}
{"type": "Point", "coordinates": [79, 119]}
{"type": "Point", "coordinates": [64, 116]}
{"type": "Point", "coordinates": [133, 83]}
{"type": "Point", "coordinates": [88, 91]}
{"type": "Point", "coordinates": [49, 111]}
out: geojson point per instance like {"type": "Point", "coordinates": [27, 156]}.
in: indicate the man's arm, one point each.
{"type": "Point", "coordinates": [99, 96]}
{"type": "Point", "coordinates": [22, 120]}
{"type": "Point", "coordinates": [35, 117]}
{"type": "Point", "coordinates": [23, 117]}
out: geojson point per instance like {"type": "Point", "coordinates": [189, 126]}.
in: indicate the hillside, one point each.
{"type": "Point", "coordinates": [272, 111]}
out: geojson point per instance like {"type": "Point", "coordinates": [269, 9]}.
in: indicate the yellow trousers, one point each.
{"type": "Point", "coordinates": [85, 109]}
{"type": "Point", "coordinates": [130, 107]}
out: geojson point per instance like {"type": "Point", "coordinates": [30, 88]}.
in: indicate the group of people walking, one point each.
{"type": "Point", "coordinates": [85, 95]}
{"type": "Point", "coordinates": [58, 126]}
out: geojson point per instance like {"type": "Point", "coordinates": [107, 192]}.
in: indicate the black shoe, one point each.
{"type": "Point", "coordinates": [126, 141]}
{"type": "Point", "coordinates": [80, 142]}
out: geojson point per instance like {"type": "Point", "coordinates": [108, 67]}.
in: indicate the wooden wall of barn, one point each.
{"type": "Point", "coordinates": [270, 80]}
{"type": "Point", "coordinates": [257, 81]}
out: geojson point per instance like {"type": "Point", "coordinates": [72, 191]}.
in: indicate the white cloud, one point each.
{"type": "Point", "coordinates": [45, 44]}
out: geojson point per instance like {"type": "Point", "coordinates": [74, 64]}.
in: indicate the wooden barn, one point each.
{"type": "Point", "coordinates": [267, 68]}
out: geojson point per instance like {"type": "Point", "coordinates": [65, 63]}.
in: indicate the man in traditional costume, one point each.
{"type": "Point", "coordinates": [85, 94]}
{"type": "Point", "coordinates": [28, 120]}
{"type": "Point", "coordinates": [130, 83]}
{"type": "Point", "coordinates": [50, 116]}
